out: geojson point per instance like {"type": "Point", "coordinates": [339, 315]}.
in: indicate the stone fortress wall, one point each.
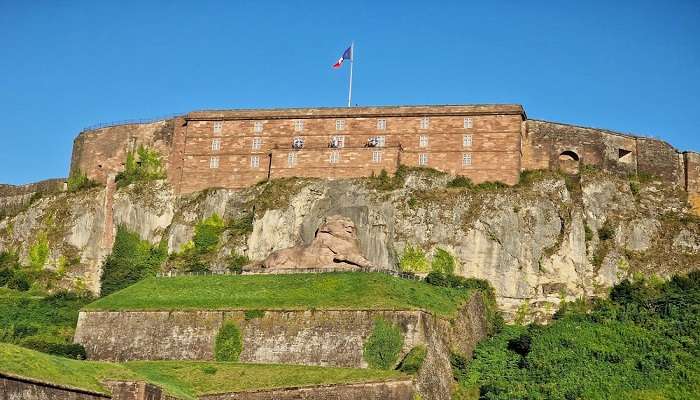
{"type": "Point", "coordinates": [239, 148]}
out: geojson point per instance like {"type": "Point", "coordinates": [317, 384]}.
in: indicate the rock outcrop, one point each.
{"type": "Point", "coordinates": [334, 247]}
{"type": "Point", "coordinates": [550, 238]}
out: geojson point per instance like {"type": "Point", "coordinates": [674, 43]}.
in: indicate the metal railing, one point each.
{"type": "Point", "coordinates": [131, 122]}
{"type": "Point", "coordinates": [287, 271]}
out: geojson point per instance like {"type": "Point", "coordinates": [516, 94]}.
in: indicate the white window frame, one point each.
{"type": "Point", "coordinates": [218, 126]}
{"type": "Point", "coordinates": [381, 141]}
{"type": "Point", "coordinates": [216, 144]}
{"type": "Point", "coordinates": [376, 156]}
{"type": "Point", "coordinates": [335, 157]}
{"type": "Point", "coordinates": [257, 143]}
{"type": "Point", "coordinates": [340, 140]}
{"type": "Point", "coordinates": [292, 159]}
{"type": "Point", "coordinates": [467, 140]}
{"type": "Point", "coordinates": [214, 162]}
{"type": "Point", "coordinates": [381, 124]}
{"type": "Point", "coordinates": [339, 124]}
{"type": "Point", "coordinates": [257, 126]}
{"type": "Point", "coordinates": [468, 122]}
{"type": "Point", "coordinates": [254, 162]}
{"type": "Point", "coordinates": [422, 159]}
{"type": "Point", "coordinates": [298, 125]}
{"type": "Point", "coordinates": [423, 141]}
{"type": "Point", "coordinates": [467, 160]}
{"type": "Point", "coordinates": [425, 123]}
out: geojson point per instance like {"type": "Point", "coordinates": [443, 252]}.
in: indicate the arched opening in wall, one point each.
{"type": "Point", "coordinates": [569, 162]}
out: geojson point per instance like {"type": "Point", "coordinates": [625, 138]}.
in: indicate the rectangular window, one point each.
{"type": "Point", "coordinates": [466, 160]}
{"type": "Point", "coordinates": [381, 141]}
{"type": "Point", "coordinates": [257, 143]}
{"type": "Point", "coordinates": [217, 126]}
{"type": "Point", "coordinates": [376, 157]}
{"type": "Point", "coordinates": [216, 145]}
{"type": "Point", "coordinates": [338, 142]}
{"type": "Point", "coordinates": [255, 162]}
{"type": "Point", "coordinates": [423, 159]}
{"type": "Point", "coordinates": [467, 141]}
{"type": "Point", "coordinates": [423, 141]}
{"type": "Point", "coordinates": [381, 124]}
{"type": "Point", "coordinates": [214, 162]}
{"type": "Point", "coordinates": [468, 123]}
{"type": "Point", "coordinates": [298, 125]}
{"type": "Point", "coordinates": [425, 123]}
{"type": "Point", "coordinates": [291, 159]}
{"type": "Point", "coordinates": [257, 126]}
{"type": "Point", "coordinates": [335, 157]}
{"type": "Point", "coordinates": [339, 124]}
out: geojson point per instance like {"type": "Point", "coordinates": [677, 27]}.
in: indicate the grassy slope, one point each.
{"type": "Point", "coordinates": [185, 379]}
{"type": "Point", "coordinates": [289, 292]}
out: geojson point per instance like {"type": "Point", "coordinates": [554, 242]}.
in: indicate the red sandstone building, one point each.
{"type": "Point", "coordinates": [238, 148]}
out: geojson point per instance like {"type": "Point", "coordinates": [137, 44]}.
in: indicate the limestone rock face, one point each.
{"type": "Point", "coordinates": [335, 246]}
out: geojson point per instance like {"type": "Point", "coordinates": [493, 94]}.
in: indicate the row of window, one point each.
{"type": "Point", "coordinates": [339, 142]}
{"type": "Point", "coordinates": [340, 124]}
{"type": "Point", "coordinates": [335, 158]}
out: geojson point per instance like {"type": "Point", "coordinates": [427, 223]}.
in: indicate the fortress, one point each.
{"type": "Point", "coordinates": [238, 148]}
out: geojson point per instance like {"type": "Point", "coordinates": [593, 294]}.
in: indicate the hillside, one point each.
{"type": "Point", "coordinates": [334, 291]}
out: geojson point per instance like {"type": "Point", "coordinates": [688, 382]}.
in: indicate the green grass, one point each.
{"type": "Point", "coordinates": [337, 291]}
{"type": "Point", "coordinates": [184, 379]}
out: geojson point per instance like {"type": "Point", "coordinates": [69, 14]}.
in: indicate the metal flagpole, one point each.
{"type": "Point", "coordinates": [352, 61]}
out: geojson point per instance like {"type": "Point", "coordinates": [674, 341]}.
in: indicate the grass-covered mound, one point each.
{"type": "Point", "coordinates": [184, 379]}
{"type": "Point", "coordinates": [642, 343]}
{"type": "Point", "coordinates": [338, 291]}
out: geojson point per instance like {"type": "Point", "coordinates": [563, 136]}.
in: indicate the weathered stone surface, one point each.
{"type": "Point", "coordinates": [18, 388]}
{"type": "Point", "coordinates": [335, 246]}
{"type": "Point", "coordinates": [391, 390]}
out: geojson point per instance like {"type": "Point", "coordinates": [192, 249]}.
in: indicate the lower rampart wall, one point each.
{"type": "Point", "coordinates": [17, 388]}
{"type": "Point", "coordinates": [393, 390]}
{"type": "Point", "coordinates": [327, 338]}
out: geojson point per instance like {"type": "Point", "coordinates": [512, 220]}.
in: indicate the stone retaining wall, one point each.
{"type": "Point", "coordinates": [18, 388]}
{"type": "Point", "coordinates": [392, 390]}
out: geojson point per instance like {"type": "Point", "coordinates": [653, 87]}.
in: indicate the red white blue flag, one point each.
{"type": "Point", "coordinates": [347, 55]}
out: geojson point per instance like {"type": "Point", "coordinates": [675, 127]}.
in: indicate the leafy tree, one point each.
{"type": "Point", "coordinates": [382, 348]}
{"type": "Point", "coordinates": [229, 343]}
{"type": "Point", "coordinates": [443, 262]}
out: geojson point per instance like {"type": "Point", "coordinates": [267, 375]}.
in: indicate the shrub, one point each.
{"type": "Point", "coordinates": [132, 259]}
{"type": "Point", "coordinates": [78, 180]}
{"type": "Point", "coordinates": [229, 343]}
{"type": "Point", "coordinates": [242, 225]}
{"type": "Point", "coordinates": [413, 260]}
{"type": "Point", "coordinates": [68, 350]}
{"type": "Point", "coordinates": [413, 360]}
{"type": "Point", "coordinates": [236, 262]}
{"type": "Point", "coordinates": [39, 251]}
{"type": "Point", "coordinates": [148, 167]}
{"type": "Point", "coordinates": [382, 348]}
{"type": "Point", "coordinates": [459, 365]}
{"type": "Point", "coordinates": [460, 182]}
{"type": "Point", "coordinates": [443, 262]}
{"type": "Point", "coordinates": [209, 369]}
{"type": "Point", "coordinates": [207, 233]}
{"type": "Point", "coordinates": [607, 231]}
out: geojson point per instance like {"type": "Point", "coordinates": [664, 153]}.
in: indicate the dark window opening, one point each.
{"type": "Point", "coordinates": [568, 156]}
{"type": "Point", "coordinates": [624, 155]}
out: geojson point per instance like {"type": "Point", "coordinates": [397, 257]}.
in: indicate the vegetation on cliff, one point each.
{"type": "Point", "coordinates": [184, 379]}
{"type": "Point", "coordinates": [642, 343]}
{"type": "Point", "coordinates": [131, 260]}
{"type": "Point", "coordinates": [144, 165]}
{"type": "Point", "coordinates": [342, 290]}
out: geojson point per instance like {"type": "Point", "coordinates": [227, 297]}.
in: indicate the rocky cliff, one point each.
{"type": "Point", "coordinates": [551, 237]}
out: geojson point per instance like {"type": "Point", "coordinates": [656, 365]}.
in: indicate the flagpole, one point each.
{"type": "Point", "coordinates": [352, 61]}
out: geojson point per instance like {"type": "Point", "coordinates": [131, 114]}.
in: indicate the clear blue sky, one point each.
{"type": "Point", "coordinates": [632, 66]}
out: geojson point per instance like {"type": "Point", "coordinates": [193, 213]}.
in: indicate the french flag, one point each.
{"type": "Point", "coordinates": [347, 55]}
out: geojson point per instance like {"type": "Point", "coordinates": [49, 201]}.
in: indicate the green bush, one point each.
{"type": "Point", "coordinates": [382, 348]}
{"type": "Point", "coordinates": [207, 233]}
{"type": "Point", "coordinates": [132, 259]}
{"type": "Point", "coordinates": [460, 182]}
{"type": "Point", "coordinates": [78, 180]}
{"type": "Point", "coordinates": [413, 360]}
{"type": "Point", "coordinates": [413, 260]}
{"type": "Point", "coordinates": [236, 262]}
{"type": "Point", "coordinates": [242, 225]}
{"type": "Point", "coordinates": [643, 340]}
{"type": "Point", "coordinates": [39, 251]}
{"type": "Point", "coordinates": [443, 262]}
{"type": "Point", "coordinates": [145, 165]}
{"type": "Point", "coordinates": [229, 343]}
{"type": "Point", "coordinates": [68, 350]}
